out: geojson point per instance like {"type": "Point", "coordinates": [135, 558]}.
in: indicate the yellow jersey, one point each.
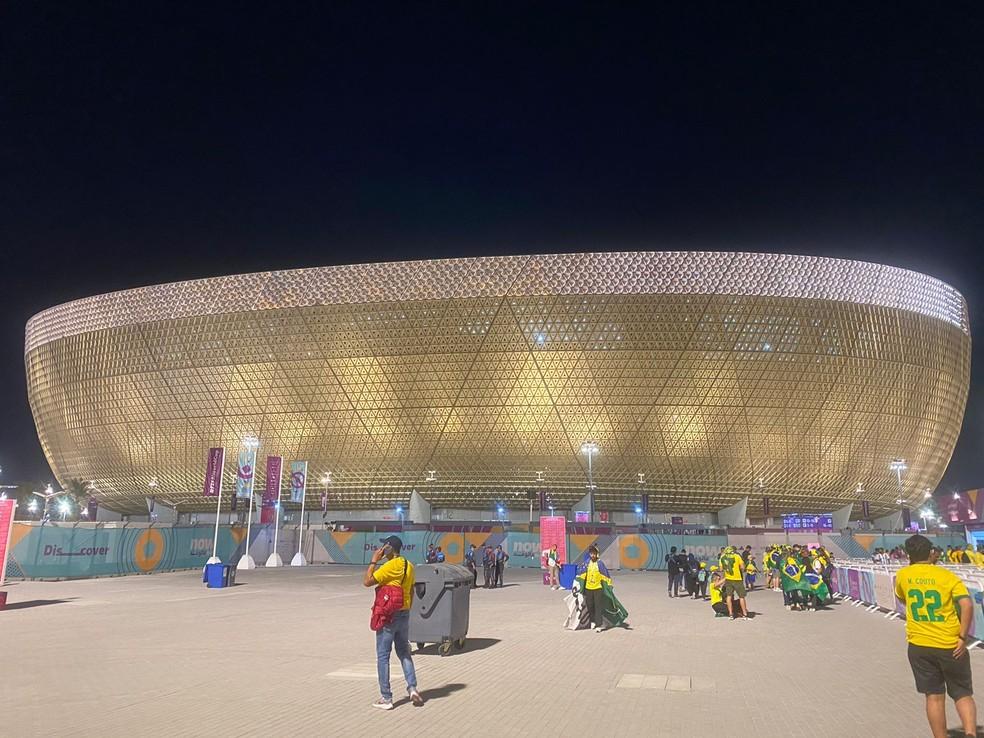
{"type": "Point", "coordinates": [716, 596]}
{"type": "Point", "coordinates": [731, 565]}
{"type": "Point", "coordinates": [392, 573]}
{"type": "Point", "coordinates": [930, 594]}
{"type": "Point", "coordinates": [594, 574]}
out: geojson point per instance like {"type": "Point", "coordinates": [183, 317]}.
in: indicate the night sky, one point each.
{"type": "Point", "coordinates": [144, 142]}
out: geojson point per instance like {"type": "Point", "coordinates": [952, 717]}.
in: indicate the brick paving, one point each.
{"type": "Point", "coordinates": [289, 653]}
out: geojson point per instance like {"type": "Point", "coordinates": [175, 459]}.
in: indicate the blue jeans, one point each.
{"type": "Point", "coordinates": [394, 634]}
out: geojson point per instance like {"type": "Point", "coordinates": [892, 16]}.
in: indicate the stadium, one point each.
{"type": "Point", "coordinates": [701, 378]}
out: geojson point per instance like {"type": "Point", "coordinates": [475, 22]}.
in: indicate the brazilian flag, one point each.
{"type": "Point", "coordinates": [817, 585]}
{"type": "Point", "coordinates": [615, 612]}
{"type": "Point", "coordinates": [793, 578]}
{"type": "Point", "coordinates": [775, 557]}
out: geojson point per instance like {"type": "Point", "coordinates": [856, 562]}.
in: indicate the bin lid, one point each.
{"type": "Point", "coordinates": [441, 573]}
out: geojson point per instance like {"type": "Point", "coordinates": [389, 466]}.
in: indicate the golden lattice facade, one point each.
{"type": "Point", "coordinates": [715, 376]}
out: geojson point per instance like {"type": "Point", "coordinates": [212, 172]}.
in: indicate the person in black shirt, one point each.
{"type": "Point", "coordinates": [672, 569]}
{"type": "Point", "coordinates": [470, 563]}
{"type": "Point", "coordinates": [488, 567]}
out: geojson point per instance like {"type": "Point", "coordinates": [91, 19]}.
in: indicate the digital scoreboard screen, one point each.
{"type": "Point", "coordinates": [808, 522]}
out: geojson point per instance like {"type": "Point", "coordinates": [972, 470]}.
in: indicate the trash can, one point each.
{"type": "Point", "coordinates": [220, 575]}
{"type": "Point", "coordinates": [567, 574]}
{"type": "Point", "coordinates": [439, 613]}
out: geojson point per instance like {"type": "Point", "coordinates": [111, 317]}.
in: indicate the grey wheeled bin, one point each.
{"type": "Point", "coordinates": [439, 614]}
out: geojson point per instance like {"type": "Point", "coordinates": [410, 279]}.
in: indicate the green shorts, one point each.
{"type": "Point", "coordinates": [734, 587]}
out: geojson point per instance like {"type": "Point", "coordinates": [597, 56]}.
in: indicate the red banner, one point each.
{"type": "Point", "coordinates": [6, 527]}
{"type": "Point", "coordinates": [271, 493]}
{"type": "Point", "coordinates": [553, 532]}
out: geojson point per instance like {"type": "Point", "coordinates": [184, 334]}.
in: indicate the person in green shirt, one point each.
{"type": "Point", "coordinates": [938, 616]}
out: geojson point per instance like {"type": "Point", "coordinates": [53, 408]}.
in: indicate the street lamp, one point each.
{"type": "Point", "coordinates": [589, 449]}
{"type": "Point", "coordinates": [898, 466]}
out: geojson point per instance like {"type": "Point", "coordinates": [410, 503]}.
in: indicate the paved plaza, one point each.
{"type": "Point", "coordinates": [289, 653]}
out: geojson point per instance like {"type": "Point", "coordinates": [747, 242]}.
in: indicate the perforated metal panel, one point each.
{"type": "Point", "coordinates": [716, 375]}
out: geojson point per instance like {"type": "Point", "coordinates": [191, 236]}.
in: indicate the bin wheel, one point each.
{"type": "Point", "coordinates": [445, 648]}
{"type": "Point", "coordinates": [459, 644]}
{"type": "Point", "coordinates": [420, 646]}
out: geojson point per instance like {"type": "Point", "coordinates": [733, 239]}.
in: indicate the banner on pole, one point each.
{"type": "Point", "coordinates": [151, 501]}
{"type": "Point", "coordinates": [324, 502]}
{"type": "Point", "coordinates": [233, 505]}
{"type": "Point", "coordinates": [765, 506]}
{"type": "Point", "coordinates": [298, 480]}
{"type": "Point", "coordinates": [7, 507]}
{"type": "Point", "coordinates": [92, 508]}
{"type": "Point", "coordinates": [865, 509]}
{"type": "Point", "coordinates": [245, 473]}
{"type": "Point", "coordinates": [213, 472]}
{"type": "Point", "coordinates": [271, 492]}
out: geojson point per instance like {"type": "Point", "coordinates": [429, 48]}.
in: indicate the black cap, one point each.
{"type": "Point", "coordinates": [393, 542]}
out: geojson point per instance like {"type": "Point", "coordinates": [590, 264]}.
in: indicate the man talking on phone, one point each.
{"type": "Point", "coordinates": [397, 571]}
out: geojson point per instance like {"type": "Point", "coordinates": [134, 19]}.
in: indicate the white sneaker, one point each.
{"type": "Point", "coordinates": [593, 625]}
{"type": "Point", "coordinates": [383, 704]}
{"type": "Point", "coordinates": [598, 629]}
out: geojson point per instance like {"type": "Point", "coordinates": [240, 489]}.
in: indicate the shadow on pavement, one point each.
{"type": "Point", "coordinates": [36, 603]}
{"type": "Point", "coordinates": [471, 644]}
{"type": "Point", "coordinates": [958, 732]}
{"type": "Point", "coordinates": [434, 693]}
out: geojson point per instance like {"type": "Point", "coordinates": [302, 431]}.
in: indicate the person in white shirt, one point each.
{"type": "Point", "coordinates": [553, 566]}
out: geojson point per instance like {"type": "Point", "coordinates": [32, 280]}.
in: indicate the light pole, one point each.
{"type": "Point", "coordinates": [898, 466]}
{"type": "Point", "coordinates": [48, 494]}
{"type": "Point", "coordinates": [152, 486]}
{"type": "Point", "coordinates": [250, 443]}
{"type": "Point", "coordinates": [589, 449]}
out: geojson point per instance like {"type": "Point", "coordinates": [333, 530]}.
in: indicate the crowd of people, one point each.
{"type": "Point", "coordinates": [952, 555]}
{"type": "Point", "coordinates": [493, 562]}
{"type": "Point", "coordinates": [801, 573]}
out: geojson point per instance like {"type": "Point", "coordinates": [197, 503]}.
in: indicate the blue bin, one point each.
{"type": "Point", "coordinates": [219, 575]}
{"type": "Point", "coordinates": [567, 574]}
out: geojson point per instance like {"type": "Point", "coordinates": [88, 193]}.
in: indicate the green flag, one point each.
{"type": "Point", "coordinates": [615, 613]}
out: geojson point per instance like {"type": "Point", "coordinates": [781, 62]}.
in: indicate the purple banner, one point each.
{"type": "Point", "coordinates": [274, 472]}
{"type": "Point", "coordinates": [213, 472]}
{"type": "Point", "coordinates": [854, 583]}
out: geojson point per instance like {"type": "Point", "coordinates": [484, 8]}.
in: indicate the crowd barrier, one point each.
{"type": "Point", "coordinates": [873, 585]}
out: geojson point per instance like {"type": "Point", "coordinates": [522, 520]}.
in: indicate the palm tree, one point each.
{"type": "Point", "coordinates": [79, 492]}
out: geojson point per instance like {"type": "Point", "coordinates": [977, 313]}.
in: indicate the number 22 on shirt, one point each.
{"type": "Point", "coordinates": [924, 606]}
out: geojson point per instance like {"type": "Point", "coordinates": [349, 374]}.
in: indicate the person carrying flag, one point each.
{"type": "Point", "coordinates": [596, 584]}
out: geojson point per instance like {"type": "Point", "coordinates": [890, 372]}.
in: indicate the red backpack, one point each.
{"type": "Point", "coordinates": [389, 601]}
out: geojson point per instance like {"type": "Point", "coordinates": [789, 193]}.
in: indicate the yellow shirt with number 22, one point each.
{"type": "Point", "coordinates": [930, 594]}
